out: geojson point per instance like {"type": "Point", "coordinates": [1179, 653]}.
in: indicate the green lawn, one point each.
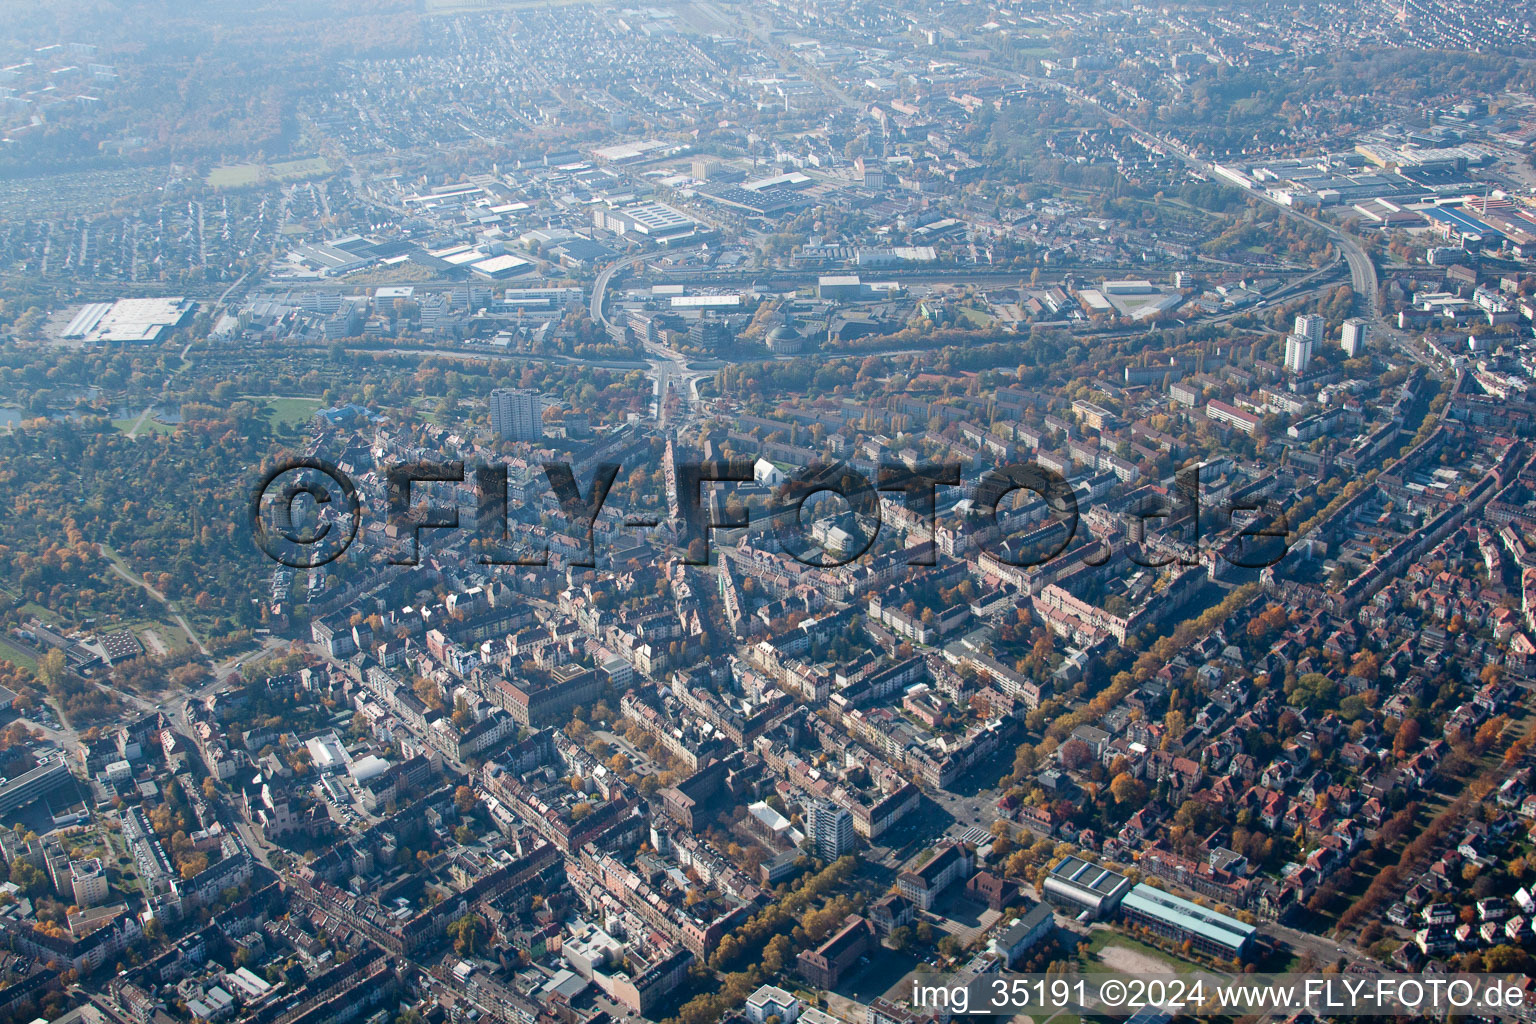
{"type": "Point", "coordinates": [33, 608]}
{"type": "Point", "coordinates": [235, 176]}
{"type": "Point", "coordinates": [426, 408]}
{"type": "Point", "coordinates": [171, 635]}
{"type": "Point", "coordinates": [150, 425]}
{"type": "Point", "coordinates": [289, 410]}
{"type": "Point", "coordinates": [243, 175]}
{"type": "Point", "coordinates": [290, 169]}
{"type": "Point", "coordinates": [17, 657]}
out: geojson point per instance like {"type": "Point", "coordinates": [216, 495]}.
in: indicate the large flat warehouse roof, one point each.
{"type": "Point", "coordinates": [130, 320]}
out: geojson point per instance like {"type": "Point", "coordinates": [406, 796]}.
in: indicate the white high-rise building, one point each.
{"type": "Point", "coordinates": [1298, 353]}
{"type": "Point", "coordinates": [831, 829]}
{"type": "Point", "coordinates": [517, 414]}
{"type": "Point", "coordinates": [88, 880]}
{"type": "Point", "coordinates": [1357, 331]}
{"type": "Point", "coordinates": [1311, 327]}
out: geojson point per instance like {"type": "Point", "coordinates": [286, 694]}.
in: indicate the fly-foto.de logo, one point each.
{"type": "Point", "coordinates": [304, 512]}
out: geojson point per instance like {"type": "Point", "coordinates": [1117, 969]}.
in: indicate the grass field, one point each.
{"type": "Point", "coordinates": [17, 657]}
{"type": "Point", "coordinates": [170, 634]}
{"type": "Point", "coordinates": [292, 169]}
{"type": "Point", "coordinates": [289, 410]}
{"type": "Point", "coordinates": [426, 408]}
{"type": "Point", "coordinates": [245, 175]}
{"type": "Point", "coordinates": [236, 176]}
{"type": "Point", "coordinates": [33, 608]}
{"type": "Point", "coordinates": [149, 425]}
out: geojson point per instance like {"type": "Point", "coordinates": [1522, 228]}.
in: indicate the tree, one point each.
{"type": "Point", "coordinates": [466, 933]}
{"type": "Point", "coordinates": [1075, 754]}
{"type": "Point", "coordinates": [1505, 959]}
{"type": "Point", "coordinates": [51, 668]}
{"type": "Point", "coordinates": [26, 877]}
{"type": "Point", "coordinates": [465, 800]}
{"type": "Point", "coordinates": [1174, 722]}
{"type": "Point", "coordinates": [776, 954]}
{"type": "Point", "coordinates": [429, 692]}
{"type": "Point", "coordinates": [1488, 733]}
{"type": "Point", "coordinates": [1128, 790]}
{"type": "Point", "coordinates": [727, 952]}
{"type": "Point", "coordinates": [1313, 691]}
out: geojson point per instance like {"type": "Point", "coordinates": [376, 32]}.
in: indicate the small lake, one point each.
{"type": "Point", "coordinates": [13, 415]}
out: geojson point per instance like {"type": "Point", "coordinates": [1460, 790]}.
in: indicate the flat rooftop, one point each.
{"type": "Point", "coordinates": [1189, 916]}
{"type": "Point", "coordinates": [1083, 875]}
{"type": "Point", "coordinates": [129, 320]}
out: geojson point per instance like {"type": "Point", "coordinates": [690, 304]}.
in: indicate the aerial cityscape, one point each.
{"type": "Point", "coordinates": [559, 512]}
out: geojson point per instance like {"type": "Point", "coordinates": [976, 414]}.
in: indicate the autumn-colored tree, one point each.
{"type": "Point", "coordinates": [1075, 754]}
{"type": "Point", "coordinates": [466, 933]}
{"type": "Point", "coordinates": [194, 865]}
{"type": "Point", "coordinates": [1128, 790]}
{"type": "Point", "coordinates": [51, 668]}
{"type": "Point", "coordinates": [1488, 733]}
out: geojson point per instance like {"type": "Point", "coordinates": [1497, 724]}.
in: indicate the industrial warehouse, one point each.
{"type": "Point", "coordinates": [129, 321]}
